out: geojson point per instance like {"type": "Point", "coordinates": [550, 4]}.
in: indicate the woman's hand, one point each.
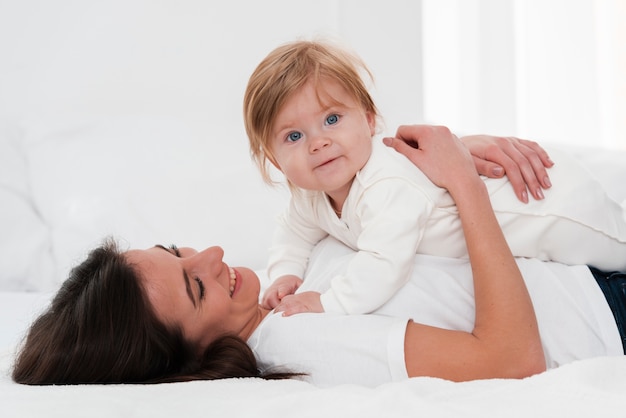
{"type": "Point", "coordinates": [440, 155]}
{"type": "Point", "coordinates": [524, 162]}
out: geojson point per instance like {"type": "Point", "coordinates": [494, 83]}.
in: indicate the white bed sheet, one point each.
{"type": "Point", "coordinates": [594, 387]}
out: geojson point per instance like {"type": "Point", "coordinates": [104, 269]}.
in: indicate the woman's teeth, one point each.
{"type": "Point", "coordinates": [233, 279]}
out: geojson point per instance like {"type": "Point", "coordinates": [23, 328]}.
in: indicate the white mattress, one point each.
{"type": "Point", "coordinates": [594, 387]}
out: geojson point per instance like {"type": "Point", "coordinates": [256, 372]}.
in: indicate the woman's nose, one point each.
{"type": "Point", "coordinates": [215, 253]}
{"type": "Point", "coordinates": [204, 264]}
{"type": "Point", "coordinates": [207, 259]}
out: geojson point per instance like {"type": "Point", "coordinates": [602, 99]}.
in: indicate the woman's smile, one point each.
{"type": "Point", "coordinates": [199, 293]}
{"type": "Point", "coordinates": [235, 283]}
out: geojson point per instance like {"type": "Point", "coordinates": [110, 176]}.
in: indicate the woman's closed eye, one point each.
{"type": "Point", "coordinates": [201, 287]}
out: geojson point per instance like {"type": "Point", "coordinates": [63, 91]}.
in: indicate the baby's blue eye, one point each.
{"type": "Point", "coordinates": [332, 119]}
{"type": "Point", "coordinates": [294, 136]}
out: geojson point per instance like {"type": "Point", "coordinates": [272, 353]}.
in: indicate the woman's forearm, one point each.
{"type": "Point", "coordinates": [505, 340]}
{"type": "Point", "coordinates": [505, 318]}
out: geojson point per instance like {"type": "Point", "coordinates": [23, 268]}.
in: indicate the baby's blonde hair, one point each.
{"type": "Point", "coordinates": [285, 70]}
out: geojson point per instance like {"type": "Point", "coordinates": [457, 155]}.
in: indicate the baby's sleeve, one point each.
{"type": "Point", "coordinates": [294, 238]}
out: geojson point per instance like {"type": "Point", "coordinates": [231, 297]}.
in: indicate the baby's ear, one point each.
{"type": "Point", "coordinates": [371, 121]}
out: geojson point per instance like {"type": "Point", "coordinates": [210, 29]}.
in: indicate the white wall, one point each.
{"type": "Point", "coordinates": [549, 70]}
{"type": "Point", "coordinates": [543, 69]}
{"type": "Point", "coordinates": [189, 58]}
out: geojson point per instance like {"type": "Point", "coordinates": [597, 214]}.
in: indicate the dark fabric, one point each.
{"type": "Point", "coordinates": [613, 285]}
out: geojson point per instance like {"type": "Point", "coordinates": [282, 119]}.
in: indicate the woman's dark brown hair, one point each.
{"type": "Point", "coordinates": [100, 328]}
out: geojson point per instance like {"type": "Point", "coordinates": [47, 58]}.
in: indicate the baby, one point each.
{"type": "Point", "coordinates": [308, 113]}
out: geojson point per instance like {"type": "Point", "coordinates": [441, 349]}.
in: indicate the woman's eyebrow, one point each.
{"type": "Point", "coordinates": [185, 277]}
{"type": "Point", "coordinates": [163, 247]}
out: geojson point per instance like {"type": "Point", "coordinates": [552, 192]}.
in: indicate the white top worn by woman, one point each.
{"type": "Point", "coordinates": [393, 211]}
{"type": "Point", "coordinates": [574, 319]}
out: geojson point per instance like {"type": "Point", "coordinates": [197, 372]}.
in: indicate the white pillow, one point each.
{"type": "Point", "coordinates": [25, 259]}
{"type": "Point", "coordinates": [148, 180]}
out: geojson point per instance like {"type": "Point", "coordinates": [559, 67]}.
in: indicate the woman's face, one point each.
{"type": "Point", "coordinates": [198, 292]}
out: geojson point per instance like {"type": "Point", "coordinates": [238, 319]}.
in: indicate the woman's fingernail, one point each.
{"type": "Point", "coordinates": [547, 181]}
{"type": "Point", "coordinates": [498, 171]}
{"type": "Point", "coordinates": [540, 193]}
{"type": "Point", "coordinates": [525, 196]}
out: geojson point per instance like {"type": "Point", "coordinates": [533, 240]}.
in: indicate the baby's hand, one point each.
{"type": "Point", "coordinates": [300, 303]}
{"type": "Point", "coordinates": [283, 286]}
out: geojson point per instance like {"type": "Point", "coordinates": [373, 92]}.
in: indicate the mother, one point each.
{"type": "Point", "coordinates": [167, 314]}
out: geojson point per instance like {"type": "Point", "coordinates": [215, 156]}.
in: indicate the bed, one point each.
{"type": "Point", "coordinates": [68, 182]}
